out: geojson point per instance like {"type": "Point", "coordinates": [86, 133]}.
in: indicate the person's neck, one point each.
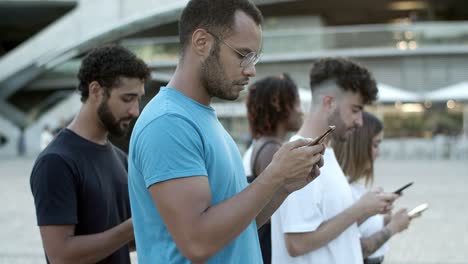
{"type": "Point", "coordinates": [314, 125]}
{"type": "Point", "coordinates": [279, 134]}
{"type": "Point", "coordinates": [187, 81]}
{"type": "Point", "coordinates": [281, 131]}
{"type": "Point", "coordinates": [87, 125]}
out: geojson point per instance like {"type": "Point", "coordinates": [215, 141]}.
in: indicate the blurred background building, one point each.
{"type": "Point", "coordinates": [414, 48]}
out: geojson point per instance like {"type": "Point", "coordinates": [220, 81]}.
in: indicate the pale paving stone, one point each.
{"type": "Point", "coordinates": [440, 236]}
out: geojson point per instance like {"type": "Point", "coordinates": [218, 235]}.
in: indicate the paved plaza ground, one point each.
{"type": "Point", "coordinates": [440, 236]}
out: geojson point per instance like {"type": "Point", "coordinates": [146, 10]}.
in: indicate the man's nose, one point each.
{"type": "Point", "coordinates": [250, 70]}
{"type": "Point", "coordinates": [134, 111]}
{"type": "Point", "coordinates": [359, 121]}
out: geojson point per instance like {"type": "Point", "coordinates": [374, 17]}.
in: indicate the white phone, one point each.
{"type": "Point", "coordinates": [418, 209]}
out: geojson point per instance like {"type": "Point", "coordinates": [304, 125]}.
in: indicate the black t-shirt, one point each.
{"type": "Point", "coordinates": [77, 182]}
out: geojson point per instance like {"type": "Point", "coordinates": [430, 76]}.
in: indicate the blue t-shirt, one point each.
{"type": "Point", "coordinates": [177, 137]}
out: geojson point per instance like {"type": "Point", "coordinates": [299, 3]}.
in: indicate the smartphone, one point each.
{"type": "Point", "coordinates": [418, 209]}
{"type": "Point", "coordinates": [322, 137]}
{"type": "Point", "coordinates": [399, 191]}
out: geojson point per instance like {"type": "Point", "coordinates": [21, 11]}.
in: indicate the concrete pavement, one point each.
{"type": "Point", "coordinates": [440, 236]}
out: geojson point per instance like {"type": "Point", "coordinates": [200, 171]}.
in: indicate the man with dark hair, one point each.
{"type": "Point", "coordinates": [273, 110]}
{"type": "Point", "coordinates": [79, 182]}
{"type": "Point", "coordinates": [318, 224]}
{"type": "Point", "coordinates": [188, 191]}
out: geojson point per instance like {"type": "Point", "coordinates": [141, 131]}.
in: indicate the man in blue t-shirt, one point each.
{"type": "Point", "coordinates": [188, 192]}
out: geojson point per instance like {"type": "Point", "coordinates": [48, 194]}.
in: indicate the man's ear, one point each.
{"type": "Point", "coordinates": [96, 91]}
{"type": "Point", "coordinates": [329, 103]}
{"type": "Point", "coordinates": [202, 42]}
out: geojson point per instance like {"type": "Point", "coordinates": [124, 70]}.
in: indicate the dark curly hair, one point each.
{"type": "Point", "coordinates": [270, 101]}
{"type": "Point", "coordinates": [106, 65]}
{"type": "Point", "coordinates": [214, 16]}
{"type": "Point", "coordinates": [348, 75]}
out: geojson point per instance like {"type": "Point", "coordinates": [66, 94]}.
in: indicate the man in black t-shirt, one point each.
{"type": "Point", "coordinates": [79, 182]}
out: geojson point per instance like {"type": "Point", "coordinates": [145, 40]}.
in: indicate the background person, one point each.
{"type": "Point", "coordinates": [356, 157]}
{"type": "Point", "coordinates": [273, 110]}
{"type": "Point", "coordinates": [318, 224]}
{"type": "Point", "coordinates": [46, 137]}
{"type": "Point", "coordinates": [79, 182]}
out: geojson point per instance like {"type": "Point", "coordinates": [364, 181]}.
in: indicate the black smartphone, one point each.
{"type": "Point", "coordinates": [399, 191]}
{"type": "Point", "coordinates": [324, 136]}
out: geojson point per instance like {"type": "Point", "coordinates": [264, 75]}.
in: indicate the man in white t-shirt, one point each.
{"type": "Point", "coordinates": [318, 224]}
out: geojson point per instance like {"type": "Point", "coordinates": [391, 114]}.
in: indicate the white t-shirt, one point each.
{"type": "Point", "coordinates": [46, 138]}
{"type": "Point", "coordinates": [304, 210]}
{"type": "Point", "coordinates": [246, 160]}
{"type": "Point", "coordinates": [373, 224]}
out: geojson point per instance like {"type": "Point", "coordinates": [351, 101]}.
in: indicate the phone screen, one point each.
{"type": "Point", "coordinates": [418, 209]}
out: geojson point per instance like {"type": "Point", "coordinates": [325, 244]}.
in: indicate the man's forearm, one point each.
{"type": "Point", "coordinates": [370, 244]}
{"type": "Point", "coordinates": [302, 243]}
{"type": "Point", "coordinates": [387, 218]}
{"type": "Point", "coordinates": [271, 207]}
{"type": "Point", "coordinates": [333, 227]}
{"type": "Point", "coordinates": [201, 229]}
{"type": "Point", "coordinates": [225, 221]}
{"type": "Point", "coordinates": [95, 247]}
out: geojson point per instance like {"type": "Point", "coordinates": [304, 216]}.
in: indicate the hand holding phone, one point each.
{"type": "Point", "coordinates": [415, 212]}
{"type": "Point", "coordinates": [321, 138]}
{"type": "Point", "coordinates": [400, 190]}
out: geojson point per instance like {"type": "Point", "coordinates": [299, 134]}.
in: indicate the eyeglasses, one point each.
{"type": "Point", "coordinates": [249, 59]}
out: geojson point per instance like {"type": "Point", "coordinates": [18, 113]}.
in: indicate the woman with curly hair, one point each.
{"type": "Point", "coordinates": [273, 109]}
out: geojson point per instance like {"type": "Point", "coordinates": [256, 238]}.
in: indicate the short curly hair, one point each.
{"type": "Point", "coordinates": [270, 101]}
{"type": "Point", "coordinates": [348, 75]}
{"type": "Point", "coordinates": [106, 65]}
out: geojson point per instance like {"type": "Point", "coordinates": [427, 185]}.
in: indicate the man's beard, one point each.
{"type": "Point", "coordinates": [335, 120]}
{"type": "Point", "coordinates": [110, 123]}
{"type": "Point", "coordinates": [214, 77]}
